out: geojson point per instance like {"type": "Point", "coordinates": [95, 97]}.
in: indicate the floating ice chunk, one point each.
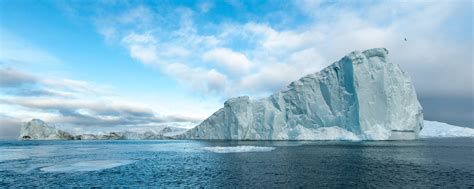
{"type": "Point", "coordinates": [94, 165]}
{"type": "Point", "coordinates": [237, 149]}
{"type": "Point", "coordinates": [434, 129]}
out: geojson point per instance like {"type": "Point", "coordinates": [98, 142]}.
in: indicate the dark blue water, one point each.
{"type": "Point", "coordinates": [421, 163]}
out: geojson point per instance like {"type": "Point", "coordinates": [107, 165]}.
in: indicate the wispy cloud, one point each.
{"type": "Point", "coordinates": [15, 50]}
{"type": "Point", "coordinates": [234, 62]}
{"type": "Point", "coordinates": [267, 55]}
{"type": "Point", "coordinates": [95, 113]}
{"type": "Point", "coordinates": [15, 82]}
{"type": "Point", "coordinates": [14, 78]}
{"type": "Point", "coordinates": [142, 47]}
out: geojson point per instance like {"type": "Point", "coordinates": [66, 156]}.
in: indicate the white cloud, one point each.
{"type": "Point", "coordinates": [427, 50]}
{"type": "Point", "coordinates": [308, 6]}
{"type": "Point", "coordinates": [26, 84]}
{"type": "Point", "coordinates": [14, 50]}
{"type": "Point", "coordinates": [278, 41]}
{"type": "Point", "coordinates": [198, 79]}
{"type": "Point", "coordinates": [142, 47]}
{"type": "Point", "coordinates": [139, 14]}
{"type": "Point", "coordinates": [275, 52]}
{"type": "Point", "coordinates": [267, 57]}
{"type": "Point", "coordinates": [235, 62]}
{"type": "Point", "coordinates": [109, 33]}
{"type": "Point", "coordinates": [76, 86]}
{"type": "Point", "coordinates": [172, 51]}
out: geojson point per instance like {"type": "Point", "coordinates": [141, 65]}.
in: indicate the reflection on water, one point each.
{"type": "Point", "coordinates": [434, 162]}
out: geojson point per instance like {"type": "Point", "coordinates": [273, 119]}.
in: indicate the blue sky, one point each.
{"type": "Point", "coordinates": [148, 63]}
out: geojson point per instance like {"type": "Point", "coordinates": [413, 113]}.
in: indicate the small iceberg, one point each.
{"type": "Point", "coordinates": [93, 165]}
{"type": "Point", "coordinates": [435, 129]}
{"type": "Point", "coordinates": [237, 149]}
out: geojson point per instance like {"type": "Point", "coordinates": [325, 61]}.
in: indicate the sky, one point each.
{"type": "Point", "coordinates": [140, 64]}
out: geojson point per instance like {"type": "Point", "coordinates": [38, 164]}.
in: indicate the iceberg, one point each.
{"type": "Point", "coordinates": [37, 129]}
{"type": "Point", "coordinates": [435, 129]}
{"type": "Point", "coordinates": [363, 96]}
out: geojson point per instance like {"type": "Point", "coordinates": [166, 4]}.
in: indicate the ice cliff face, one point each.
{"type": "Point", "coordinates": [361, 97]}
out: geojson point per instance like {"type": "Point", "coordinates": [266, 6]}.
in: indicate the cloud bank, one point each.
{"type": "Point", "coordinates": [242, 56]}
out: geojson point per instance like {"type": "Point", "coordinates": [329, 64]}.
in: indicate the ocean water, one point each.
{"type": "Point", "coordinates": [420, 163]}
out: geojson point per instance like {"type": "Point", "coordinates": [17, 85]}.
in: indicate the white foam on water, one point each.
{"type": "Point", "coordinates": [237, 149]}
{"type": "Point", "coordinates": [93, 165]}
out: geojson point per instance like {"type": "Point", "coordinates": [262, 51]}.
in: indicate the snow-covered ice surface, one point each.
{"type": "Point", "coordinates": [435, 129]}
{"type": "Point", "coordinates": [363, 96]}
{"type": "Point", "coordinates": [237, 149]}
{"type": "Point", "coordinates": [93, 165]}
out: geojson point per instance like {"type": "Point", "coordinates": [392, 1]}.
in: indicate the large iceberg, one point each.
{"type": "Point", "coordinates": [361, 97]}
